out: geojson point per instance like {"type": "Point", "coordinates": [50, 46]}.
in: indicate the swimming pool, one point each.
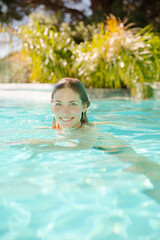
{"type": "Point", "coordinates": [74, 195]}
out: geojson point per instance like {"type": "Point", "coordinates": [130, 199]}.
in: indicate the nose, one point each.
{"type": "Point", "coordinates": [65, 110]}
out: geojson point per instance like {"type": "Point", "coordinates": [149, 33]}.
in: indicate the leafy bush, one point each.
{"type": "Point", "coordinates": [119, 56]}
{"type": "Point", "coordinates": [50, 52]}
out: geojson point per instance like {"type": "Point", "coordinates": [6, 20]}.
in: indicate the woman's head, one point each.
{"type": "Point", "coordinates": [69, 103]}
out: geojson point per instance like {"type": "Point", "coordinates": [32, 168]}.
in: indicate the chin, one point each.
{"type": "Point", "coordinates": [69, 127]}
{"type": "Point", "coordinates": [65, 126]}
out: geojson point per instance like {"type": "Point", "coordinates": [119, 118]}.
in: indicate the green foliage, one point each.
{"type": "Point", "coordinates": [79, 32]}
{"type": "Point", "coordinates": [110, 54]}
{"type": "Point", "coordinates": [119, 57]}
{"type": "Point", "coordinates": [50, 52]}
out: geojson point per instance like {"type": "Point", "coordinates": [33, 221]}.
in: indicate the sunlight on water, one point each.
{"type": "Point", "coordinates": [85, 194]}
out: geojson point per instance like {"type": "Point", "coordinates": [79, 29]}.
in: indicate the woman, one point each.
{"type": "Point", "coordinates": [69, 105]}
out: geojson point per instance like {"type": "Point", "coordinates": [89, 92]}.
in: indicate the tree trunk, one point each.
{"type": "Point", "coordinates": [104, 5]}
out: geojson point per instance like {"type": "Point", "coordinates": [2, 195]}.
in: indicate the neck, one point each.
{"type": "Point", "coordinates": [74, 128]}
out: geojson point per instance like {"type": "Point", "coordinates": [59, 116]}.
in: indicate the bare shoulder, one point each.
{"type": "Point", "coordinates": [90, 128]}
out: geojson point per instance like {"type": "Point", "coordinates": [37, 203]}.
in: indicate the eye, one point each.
{"type": "Point", "coordinates": [58, 104]}
{"type": "Point", "coordinates": [73, 104]}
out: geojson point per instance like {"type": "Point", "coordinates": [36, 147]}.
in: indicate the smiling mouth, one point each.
{"type": "Point", "coordinates": [66, 119]}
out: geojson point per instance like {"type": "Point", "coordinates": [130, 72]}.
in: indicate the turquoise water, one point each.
{"type": "Point", "coordinates": [86, 194]}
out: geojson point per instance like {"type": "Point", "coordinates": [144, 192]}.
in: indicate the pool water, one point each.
{"type": "Point", "coordinates": [85, 194]}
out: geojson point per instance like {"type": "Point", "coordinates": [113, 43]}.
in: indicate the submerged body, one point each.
{"type": "Point", "coordinates": [81, 138]}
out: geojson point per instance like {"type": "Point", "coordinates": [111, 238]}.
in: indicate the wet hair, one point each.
{"type": "Point", "coordinates": [78, 87]}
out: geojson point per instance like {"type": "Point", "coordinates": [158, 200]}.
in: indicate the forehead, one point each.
{"type": "Point", "coordinates": [66, 94]}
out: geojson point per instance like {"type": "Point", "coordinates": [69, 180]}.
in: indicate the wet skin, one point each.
{"type": "Point", "coordinates": [67, 109]}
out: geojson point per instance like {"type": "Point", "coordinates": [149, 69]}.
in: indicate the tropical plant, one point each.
{"type": "Point", "coordinates": [119, 56]}
{"type": "Point", "coordinates": [49, 51]}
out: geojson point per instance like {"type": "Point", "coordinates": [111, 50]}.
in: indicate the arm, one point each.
{"type": "Point", "coordinates": [58, 144]}
{"type": "Point", "coordinates": [109, 143]}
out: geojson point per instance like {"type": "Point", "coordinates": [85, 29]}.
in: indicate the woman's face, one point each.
{"type": "Point", "coordinates": [67, 108]}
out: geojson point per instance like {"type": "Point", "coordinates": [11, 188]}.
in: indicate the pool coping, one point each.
{"type": "Point", "coordinates": [94, 93]}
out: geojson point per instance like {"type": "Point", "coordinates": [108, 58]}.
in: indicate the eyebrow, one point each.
{"type": "Point", "coordinates": [69, 101]}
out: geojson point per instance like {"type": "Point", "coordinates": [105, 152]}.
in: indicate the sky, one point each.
{"type": "Point", "coordinates": [84, 6]}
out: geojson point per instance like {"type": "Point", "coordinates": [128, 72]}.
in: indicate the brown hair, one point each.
{"type": "Point", "coordinates": [77, 86]}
